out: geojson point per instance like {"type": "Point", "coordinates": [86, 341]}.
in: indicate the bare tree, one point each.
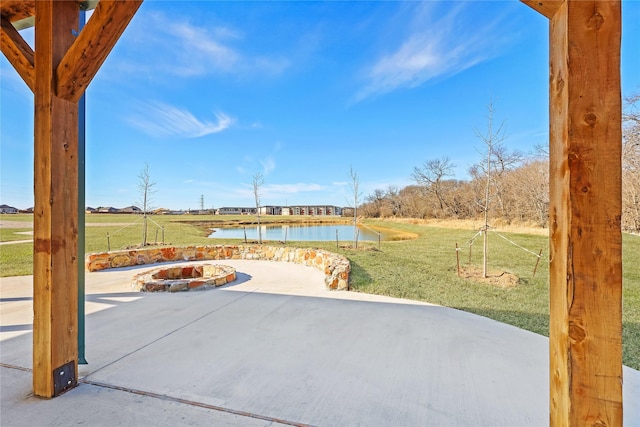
{"type": "Point", "coordinates": [394, 202]}
{"type": "Point", "coordinates": [492, 138]}
{"type": "Point", "coordinates": [431, 176]}
{"type": "Point", "coordinates": [631, 165]}
{"type": "Point", "coordinates": [354, 184]}
{"type": "Point", "coordinates": [375, 203]}
{"type": "Point", "coordinates": [146, 189]}
{"type": "Point", "coordinates": [527, 187]}
{"type": "Point", "coordinates": [258, 180]}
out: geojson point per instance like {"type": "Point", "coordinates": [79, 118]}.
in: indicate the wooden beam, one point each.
{"type": "Point", "coordinates": [55, 249]}
{"type": "Point", "coordinates": [15, 10]}
{"type": "Point", "coordinates": [17, 51]}
{"type": "Point", "coordinates": [585, 210]}
{"type": "Point", "coordinates": [82, 61]}
{"type": "Point", "coordinates": [547, 8]}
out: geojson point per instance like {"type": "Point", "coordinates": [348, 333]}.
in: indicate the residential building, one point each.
{"type": "Point", "coordinates": [6, 209]}
{"type": "Point", "coordinates": [312, 210]}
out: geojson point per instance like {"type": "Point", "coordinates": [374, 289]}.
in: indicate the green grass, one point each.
{"type": "Point", "coordinates": [11, 234]}
{"type": "Point", "coordinates": [421, 269]}
{"type": "Point", "coordinates": [16, 259]}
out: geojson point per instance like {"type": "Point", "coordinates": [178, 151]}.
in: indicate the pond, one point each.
{"type": "Point", "coordinates": [282, 233]}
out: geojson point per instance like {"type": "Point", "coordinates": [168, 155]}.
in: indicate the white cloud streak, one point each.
{"type": "Point", "coordinates": [160, 119]}
{"type": "Point", "coordinates": [189, 50]}
{"type": "Point", "coordinates": [268, 165]}
{"type": "Point", "coordinates": [435, 48]}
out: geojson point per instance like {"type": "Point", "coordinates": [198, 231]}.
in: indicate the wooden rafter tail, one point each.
{"type": "Point", "coordinates": [82, 61]}
{"type": "Point", "coordinates": [18, 52]}
{"type": "Point", "coordinates": [547, 8]}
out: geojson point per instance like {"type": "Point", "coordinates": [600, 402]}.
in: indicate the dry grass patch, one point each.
{"type": "Point", "coordinates": [471, 224]}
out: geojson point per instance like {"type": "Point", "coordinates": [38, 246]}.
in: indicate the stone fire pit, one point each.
{"type": "Point", "coordinates": [184, 278]}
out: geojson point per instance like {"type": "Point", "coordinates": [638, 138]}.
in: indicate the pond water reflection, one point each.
{"type": "Point", "coordinates": [315, 233]}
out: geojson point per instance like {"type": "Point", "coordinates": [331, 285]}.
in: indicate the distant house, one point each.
{"type": "Point", "coordinates": [6, 209]}
{"type": "Point", "coordinates": [105, 209]}
{"type": "Point", "coordinates": [236, 211]}
{"type": "Point", "coordinates": [89, 210]}
{"type": "Point", "coordinates": [130, 210]}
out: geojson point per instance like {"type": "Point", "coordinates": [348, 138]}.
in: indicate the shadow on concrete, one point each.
{"type": "Point", "coordinates": [16, 299]}
{"type": "Point", "coordinates": [16, 328]}
{"type": "Point", "coordinates": [240, 279]}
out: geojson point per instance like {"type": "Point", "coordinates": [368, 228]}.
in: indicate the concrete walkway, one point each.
{"type": "Point", "coordinates": [275, 348]}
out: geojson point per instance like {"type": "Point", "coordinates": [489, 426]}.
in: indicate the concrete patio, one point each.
{"type": "Point", "coordinates": [276, 348]}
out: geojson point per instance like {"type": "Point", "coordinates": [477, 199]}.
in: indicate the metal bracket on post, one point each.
{"type": "Point", "coordinates": [64, 378]}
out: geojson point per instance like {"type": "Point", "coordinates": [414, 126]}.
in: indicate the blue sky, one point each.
{"type": "Point", "coordinates": [210, 93]}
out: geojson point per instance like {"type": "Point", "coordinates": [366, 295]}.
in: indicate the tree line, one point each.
{"type": "Point", "coordinates": [504, 183]}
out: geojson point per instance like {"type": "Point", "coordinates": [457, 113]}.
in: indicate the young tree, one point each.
{"type": "Point", "coordinates": [258, 180]}
{"type": "Point", "coordinates": [146, 189]}
{"type": "Point", "coordinates": [354, 184]}
{"type": "Point", "coordinates": [492, 139]}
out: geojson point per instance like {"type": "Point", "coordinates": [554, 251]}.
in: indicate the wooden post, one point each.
{"type": "Point", "coordinates": [63, 64]}
{"type": "Point", "coordinates": [55, 220]}
{"type": "Point", "coordinates": [585, 207]}
{"type": "Point", "coordinates": [537, 262]}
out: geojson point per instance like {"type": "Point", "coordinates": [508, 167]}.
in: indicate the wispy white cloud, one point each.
{"type": "Point", "coordinates": [435, 47]}
{"type": "Point", "coordinates": [206, 48]}
{"type": "Point", "coordinates": [268, 165]}
{"type": "Point", "coordinates": [265, 163]}
{"type": "Point", "coordinates": [189, 50]}
{"type": "Point", "coordinates": [160, 119]}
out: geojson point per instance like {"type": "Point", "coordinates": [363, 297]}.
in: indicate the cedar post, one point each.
{"type": "Point", "coordinates": [55, 248]}
{"type": "Point", "coordinates": [64, 63]}
{"type": "Point", "coordinates": [585, 135]}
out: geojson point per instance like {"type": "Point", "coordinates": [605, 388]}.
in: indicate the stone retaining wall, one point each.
{"type": "Point", "coordinates": [335, 267]}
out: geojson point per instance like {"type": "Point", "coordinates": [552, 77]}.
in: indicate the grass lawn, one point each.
{"type": "Point", "coordinates": [423, 268]}
{"type": "Point", "coordinates": [13, 234]}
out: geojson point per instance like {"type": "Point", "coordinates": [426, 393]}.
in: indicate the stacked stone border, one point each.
{"type": "Point", "coordinates": [336, 267]}
{"type": "Point", "coordinates": [184, 278]}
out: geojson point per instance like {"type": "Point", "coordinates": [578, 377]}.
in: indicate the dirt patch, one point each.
{"type": "Point", "coordinates": [499, 279]}
{"type": "Point", "coordinates": [15, 224]}
{"type": "Point", "coordinates": [361, 247]}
